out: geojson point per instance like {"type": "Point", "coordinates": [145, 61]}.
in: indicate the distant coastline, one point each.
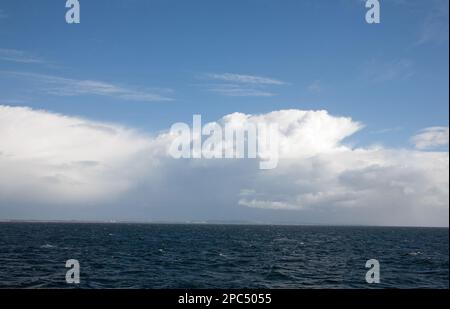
{"type": "Point", "coordinates": [209, 222]}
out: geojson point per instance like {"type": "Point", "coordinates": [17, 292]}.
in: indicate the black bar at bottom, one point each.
{"type": "Point", "coordinates": [223, 298]}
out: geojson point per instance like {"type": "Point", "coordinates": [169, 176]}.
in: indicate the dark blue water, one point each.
{"type": "Point", "coordinates": [33, 255]}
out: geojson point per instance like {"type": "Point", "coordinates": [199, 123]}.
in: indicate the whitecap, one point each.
{"type": "Point", "coordinates": [47, 246]}
{"type": "Point", "coordinates": [415, 253]}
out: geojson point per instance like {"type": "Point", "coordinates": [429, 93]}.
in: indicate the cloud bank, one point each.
{"type": "Point", "coordinates": [59, 167]}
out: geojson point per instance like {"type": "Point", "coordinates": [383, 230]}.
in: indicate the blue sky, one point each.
{"type": "Point", "coordinates": [85, 110]}
{"type": "Point", "coordinates": [393, 76]}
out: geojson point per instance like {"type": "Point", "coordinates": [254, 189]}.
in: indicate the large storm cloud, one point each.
{"type": "Point", "coordinates": [60, 167]}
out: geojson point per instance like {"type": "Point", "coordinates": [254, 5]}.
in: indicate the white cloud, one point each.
{"type": "Point", "coordinates": [65, 167]}
{"type": "Point", "coordinates": [239, 85]}
{"type": "Point", "coordinates": [62, 86]}
{"type": "Point", "coordinates": [431, 138]}
{"type": "Point", "coordinates": [303, 134]}
{"type": "Point", "coordinates": [58, 159]}
{"type": "Point", "coordinates": [246, 79]}
{"type": "Point", "coordinates": [20, 56]}
{"type": "Point", "coordinates": [3, 14]}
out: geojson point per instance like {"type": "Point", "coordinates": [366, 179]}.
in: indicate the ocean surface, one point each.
{"type": "Point", "coordinates": [33, 255]}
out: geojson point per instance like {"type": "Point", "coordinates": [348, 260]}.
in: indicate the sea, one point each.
{"type": "Point", "coordinates": [194, 256]}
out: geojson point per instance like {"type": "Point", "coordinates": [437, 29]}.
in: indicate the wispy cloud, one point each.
{"type": "Point", "coordinates": [62, 86]}
{"type": "Point", "coordinates": [381, 71]}
{"type": "Point", "coordinates": [387, 130]}
{"type": "Point", "coordinates": [240, 85]}
{"type": "Point", "coordinates": [233, 90]}
{"type": "Point", "coordinates": [7, 101]}
{"type": "Point", "coordinates": [3, 14]}
{"type": "Point", "coordinates": [432, 137]}
{"type": "Point", "coordinates": [20, 56]}
{"type": "Point", "coordinates": [434, 28]}
{"type": "Point", "coordinates": [245, 79]}
{"type": "Point", "coordinates": [315, 86]}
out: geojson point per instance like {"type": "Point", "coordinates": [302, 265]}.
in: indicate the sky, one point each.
{"type": "Point", "coordinates": [85, 110]}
